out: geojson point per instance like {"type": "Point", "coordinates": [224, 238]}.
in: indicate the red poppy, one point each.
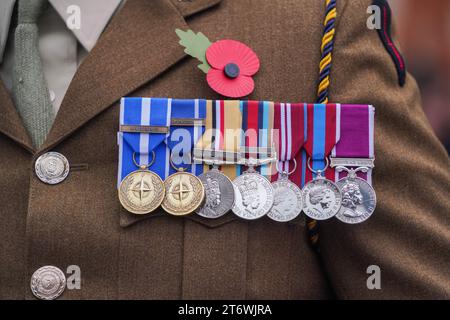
{"type": "Point", "coordinates": [232, 66]}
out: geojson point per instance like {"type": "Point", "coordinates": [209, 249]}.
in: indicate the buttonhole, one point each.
{"type": "Point", "coordinates": [79, 167]}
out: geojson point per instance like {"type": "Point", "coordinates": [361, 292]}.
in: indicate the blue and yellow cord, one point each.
{"type": "Point", "coordinates": [324, 83]}
{"type": "Point", "coordinates": [326, 51]}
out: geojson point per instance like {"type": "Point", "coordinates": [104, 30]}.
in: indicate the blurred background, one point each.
{"type": "Point", "coordinates": [423, 31]}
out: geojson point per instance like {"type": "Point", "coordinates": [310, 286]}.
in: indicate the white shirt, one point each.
{"type": "Point", "coordinates": [63, 42]}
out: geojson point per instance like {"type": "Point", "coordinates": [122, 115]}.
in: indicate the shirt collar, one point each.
{"type": "Point", "coordinates": [6, 10]}
{"type": "Point", "coordinates": [93, 18]}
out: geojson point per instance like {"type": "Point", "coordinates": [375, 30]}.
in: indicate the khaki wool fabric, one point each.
{"type": "Point", "coordinates": [80, 221]}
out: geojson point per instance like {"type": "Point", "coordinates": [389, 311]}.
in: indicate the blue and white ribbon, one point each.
{"type": "Point", "coordinates": [182, 139]}
{"type": "Point", "coordinates": [146, 112]}
{"type": "Point", "coordinates": [179, 139]}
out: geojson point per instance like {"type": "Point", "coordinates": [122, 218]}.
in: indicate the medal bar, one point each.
{"type": "Point", "coordinates": [176, 122]}
{"type": "Point", "coordinates": [352, 162]}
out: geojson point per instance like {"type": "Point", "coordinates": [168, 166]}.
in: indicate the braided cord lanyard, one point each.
{"type": "Point", "coordinates": [322, 90]}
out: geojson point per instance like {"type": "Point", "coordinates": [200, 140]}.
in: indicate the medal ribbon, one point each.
{"type": "Point", "coordinates": [323, 133]}
{"type": "Point", "coordinates": [181, 140]}
{"type": "Point", "coordinates": [257, 125]}
{"type": "Point", "coordinates": [223, 125]}
{"type": "Point", "coordinates": [289, 134]}
{"type": "Point", "coordinates": [142, 112]}
{"type": "Point", "coordinates": [218, 125]}
{"type": "Point", "coordinates": [357, 136]}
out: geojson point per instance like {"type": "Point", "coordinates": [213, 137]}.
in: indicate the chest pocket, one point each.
{"type": "Point", "coordinates": [128, 219]}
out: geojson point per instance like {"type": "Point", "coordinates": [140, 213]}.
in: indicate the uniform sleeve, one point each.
{"type": "Point", "coordinates": [408, 236]}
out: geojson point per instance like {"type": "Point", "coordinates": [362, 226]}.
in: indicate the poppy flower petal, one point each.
{"type": "Point", "coordinates": [232, 88]}
{"type": "Point", "coordinates": [222, 52]}
{"type": "Point", "coordinates": [218, 54]}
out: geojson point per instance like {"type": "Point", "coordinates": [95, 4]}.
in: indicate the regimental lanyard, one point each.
{"type": "Point", "coordinates": [357, 139]}
{"type": "Point", "coordinates": [257, 125]}
{"type": "Point", "coordinates": [323, 131]}
{"type": "Point", "coordinates": [289, 135]}
{"type": "Point", "coordinates": [144, 125]}
{"type": "Point", "coordinates": [187, 127]}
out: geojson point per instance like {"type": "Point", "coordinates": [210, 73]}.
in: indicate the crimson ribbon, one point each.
{"type": "Point", "coordinates": [323, 134]}
{"type": "Point", "coordinates": [289, 135]}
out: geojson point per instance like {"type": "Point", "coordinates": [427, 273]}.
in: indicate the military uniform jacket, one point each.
{"type": "Point", "coordinates": [80, 221]}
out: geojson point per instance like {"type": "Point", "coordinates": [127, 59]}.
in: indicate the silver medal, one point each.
{"type": "Point", "coordinates": [321, 199]}
{"type": "Point", "coordinates": [254, 195]}
{"type": "Point", "coordinates": [219, 193]}
{"type": "Point", "coordinates": [358, 198]}
{"type": "Point", "coordinates": [288, 202]}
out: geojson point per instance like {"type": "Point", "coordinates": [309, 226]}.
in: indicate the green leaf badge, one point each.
{"type": "Point", "coordinates": [196, 45]}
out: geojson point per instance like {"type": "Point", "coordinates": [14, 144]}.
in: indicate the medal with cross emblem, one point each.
{"type": "Point", "coordinates": [184, 193]}
{"type": "Point", "coordinates": [142, 191]}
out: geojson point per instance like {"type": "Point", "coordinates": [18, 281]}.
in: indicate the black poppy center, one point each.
{"type": "Point", "coordinates": [232, 70]}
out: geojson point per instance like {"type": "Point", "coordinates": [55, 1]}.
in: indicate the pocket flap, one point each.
{"type": "Point", "coordinates": [128, 219]}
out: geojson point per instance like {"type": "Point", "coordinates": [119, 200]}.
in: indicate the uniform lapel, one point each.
{"type": "Point", "coordinates": [10, 122]}
{"type": "Point", "coordinates": [138, 45]}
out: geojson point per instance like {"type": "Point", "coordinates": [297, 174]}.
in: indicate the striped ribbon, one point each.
{"type": "Point", "coordinates": [324, 84]}
{"type": "Point", "coordinates": [181, 147]}
{"type": "Point", "coordinates": [257, 123]}
{"type": "Point", "coordinates": [218, 125]}
{"type": "Point", "coordinates": [323, 135]}
{"type": "Point", "coordinates": [357, 137]}
{"type": "Point", "coordinates": [158, 112]}
{"type": "Point", "coordinates": [222, 131]}
{"type": "Point", "coordinates": [290, 133]}
{"type": "Point", "coordinates": [143, 111]}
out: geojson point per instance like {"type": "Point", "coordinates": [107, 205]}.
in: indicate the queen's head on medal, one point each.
{"type": "Point", "coordinates": [212, 193]}
{"type": "Point", "coordinates": [248, 190]}
{"type": "Point", "coordinates": [351, 196]}
{"type": "Point", "coordinates": [321, 197]}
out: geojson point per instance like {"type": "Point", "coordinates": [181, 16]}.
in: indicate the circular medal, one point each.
{"type": "Point", "coordinates": [254, 196]}
{"type": "Point", "coordinates": [358, 200]}
{"type": "Point", "coordinates": [184, 194]}
{"type": "Point", "coordinates": [288, 202]}
{"type": "Point", "coordinates": [219, 194]}
{"type": "Point", "coordinates": [321, 199]}
{"type": "Point", "coordinates": [141, 192]}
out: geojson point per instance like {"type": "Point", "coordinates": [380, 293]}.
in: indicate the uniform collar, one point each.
{"type": "Point", "coordinates": [94, 16]}
{"type": "Point", "coordinates": [111, 71]}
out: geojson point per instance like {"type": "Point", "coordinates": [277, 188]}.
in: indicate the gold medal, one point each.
{"type": "Point", "coordinates": [184, 193]}
{"type": "Point", "coordinates": [142, 191]}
